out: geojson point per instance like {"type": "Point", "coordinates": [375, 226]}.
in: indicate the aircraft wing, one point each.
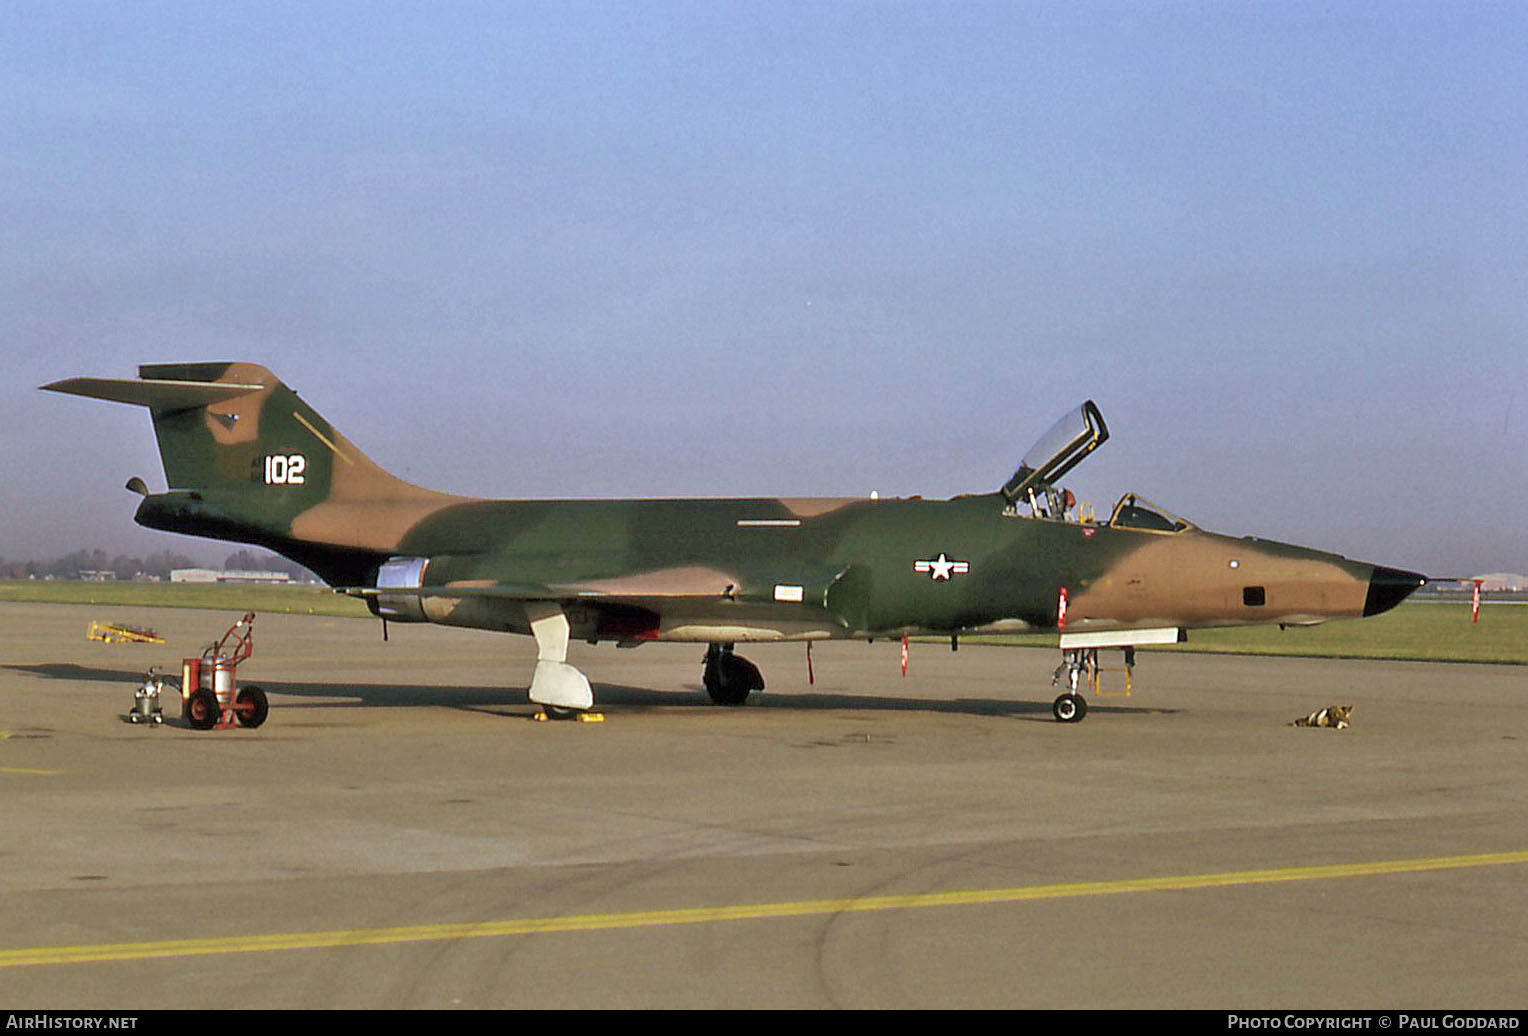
{"type": "Point", "coordinates": [401, 577]}
{"type": "Point", "coordinates": [499, 591]}
{"type": "Point", "coordinates": [633, 590]}
{"type": "Point", "coordinates": [833, 594]}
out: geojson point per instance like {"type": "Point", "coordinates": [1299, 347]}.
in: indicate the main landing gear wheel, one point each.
{"type": "Point", "coordinates": [1070, 708]}
{"type": "Point", "coordinates": [730, 678]}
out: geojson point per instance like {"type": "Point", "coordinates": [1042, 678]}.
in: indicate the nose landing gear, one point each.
{"type": "Point", "coordinates": [1077, 663]}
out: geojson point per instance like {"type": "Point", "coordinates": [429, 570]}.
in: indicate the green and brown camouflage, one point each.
{"type": "Point", "coordinates": [248, 460]}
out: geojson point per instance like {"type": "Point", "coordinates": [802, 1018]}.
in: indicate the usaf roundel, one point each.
{"type": "Point", "coordinates": [941, 568]}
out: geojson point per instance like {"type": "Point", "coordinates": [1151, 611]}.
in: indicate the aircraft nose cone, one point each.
{"type": "Point", "coordinates": [1388, 587]}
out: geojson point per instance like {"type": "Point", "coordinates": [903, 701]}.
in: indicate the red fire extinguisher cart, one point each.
{"type": "Point", "coordinates": [210, 695]}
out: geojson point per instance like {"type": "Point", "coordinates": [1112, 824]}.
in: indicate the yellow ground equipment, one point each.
{"type": "Point", "coordinates": [121, 633]}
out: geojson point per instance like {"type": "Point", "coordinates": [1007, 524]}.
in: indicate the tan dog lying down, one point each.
{"type": "Point", "coordinates": [1331, 716]}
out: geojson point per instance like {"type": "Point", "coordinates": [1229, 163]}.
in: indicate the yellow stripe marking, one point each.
{"type": "Point", "coordinates": [707, 915]}
{"type": "Point", "coordinates": [323, 438]}
{"type": "Point", "coordinates": [33, 773]}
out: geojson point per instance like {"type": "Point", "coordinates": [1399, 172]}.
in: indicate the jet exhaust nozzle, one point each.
{"type": "Point", "coordinates": [1388, 587]}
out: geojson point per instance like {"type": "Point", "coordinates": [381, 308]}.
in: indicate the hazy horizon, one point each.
{"type": "Point", "coordinates": [653, 249]}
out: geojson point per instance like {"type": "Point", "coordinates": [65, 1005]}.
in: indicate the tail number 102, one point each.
{"type": "Point", "coordinates": [285, 469]}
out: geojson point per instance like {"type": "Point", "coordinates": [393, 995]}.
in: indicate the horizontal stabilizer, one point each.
{"type": "Point", "coordinates": [160, 396]}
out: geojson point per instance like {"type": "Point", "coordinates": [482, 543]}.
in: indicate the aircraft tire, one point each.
{"type": "Point", "coordinates": [724, 691]}
{"type": "Point", "coordinates": [1069, 708]}
{"type": "Point", "coordinates": [251, 707]}
{"type": "Point", "coordinates": [202, 710]}
{"type": "Point", "coordinates": [731, 678]}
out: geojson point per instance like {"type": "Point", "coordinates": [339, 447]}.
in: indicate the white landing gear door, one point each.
{"type": "Point", "coordinates": [555, 683]}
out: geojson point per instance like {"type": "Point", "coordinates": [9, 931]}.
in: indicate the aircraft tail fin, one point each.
{"type": "Point", "coordinates": [226, 425]}
{"type": "Point", "coordinates": [246, 459]}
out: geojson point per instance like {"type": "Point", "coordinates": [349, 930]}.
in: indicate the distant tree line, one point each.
{"type": "Point", "coordinates": [155, 566]}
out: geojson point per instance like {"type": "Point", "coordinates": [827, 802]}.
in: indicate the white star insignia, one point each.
{"type": "Point", "coordinates": [941, 568]}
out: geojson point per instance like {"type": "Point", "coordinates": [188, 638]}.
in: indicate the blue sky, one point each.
{"type": "Point", "coordinates": [690, 249]}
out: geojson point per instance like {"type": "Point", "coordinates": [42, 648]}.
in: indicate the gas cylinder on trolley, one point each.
{"type": "Point", "coordinates": [146, 707]}
{"type": "Point", "coordinates": [209, 686]}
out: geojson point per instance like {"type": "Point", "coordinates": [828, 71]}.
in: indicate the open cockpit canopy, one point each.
{"type": "Point", "coordinates": [1036, 483]}
{"type": "Point", "coordinates": [1077, 434]}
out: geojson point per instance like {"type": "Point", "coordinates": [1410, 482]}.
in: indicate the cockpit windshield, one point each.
{"type": "Point", "coordinates": [1133, 512]}
{"type": "Point", "coordinates": [1059, 450]}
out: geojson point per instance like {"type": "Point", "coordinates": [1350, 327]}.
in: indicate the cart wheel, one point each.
{"type": "Point", "coordinates": [202, 710]}
{"type": "Point", "coordinates": [251, 707]}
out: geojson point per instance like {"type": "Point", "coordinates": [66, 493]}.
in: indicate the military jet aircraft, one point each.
{"type": "Point", "coordinates": [247, 460]}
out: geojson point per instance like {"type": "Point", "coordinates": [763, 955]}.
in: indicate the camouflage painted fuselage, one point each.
{"type": "Point", "coordinates": [247, 460]}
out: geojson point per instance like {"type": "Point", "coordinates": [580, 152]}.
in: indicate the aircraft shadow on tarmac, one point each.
{"type": "Point", "coordinates": [493, 700]}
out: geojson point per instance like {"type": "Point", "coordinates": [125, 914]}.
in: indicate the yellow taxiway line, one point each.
{"type": "Point", "coordinates": [707, 915]}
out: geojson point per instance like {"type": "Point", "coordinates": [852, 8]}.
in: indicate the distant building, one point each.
{"type": "Point", "coordinates": [212, 575]}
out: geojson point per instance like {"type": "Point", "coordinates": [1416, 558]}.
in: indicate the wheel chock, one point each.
{"type": "Point", "coordinates": [543, 716]}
